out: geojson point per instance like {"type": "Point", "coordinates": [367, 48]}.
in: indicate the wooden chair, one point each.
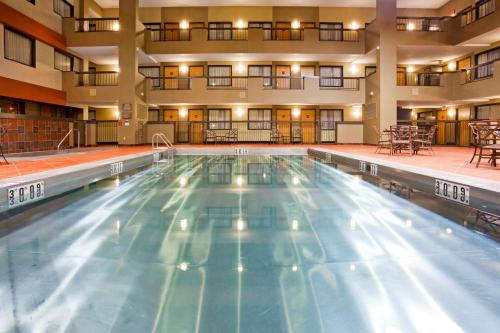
{"type": "Point", "coordinates": [232, 135]}
{"type": "Point", "coordinates": [424, 140]}
{"type": "Point", "coordinates": [210, 136]}
{"type": "Point", "coordinates": [383, 140]}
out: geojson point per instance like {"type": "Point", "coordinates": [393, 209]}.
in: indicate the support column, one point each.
{"type": "Point", "coordinates": [133, 113]}
{"type": "Point", "coordinates": [381, 107]}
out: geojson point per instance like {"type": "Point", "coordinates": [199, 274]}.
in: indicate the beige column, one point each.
{"type": "Point", "coordinates": [381, 107]}
{"type": "Point", "coordinates": [132, 112]}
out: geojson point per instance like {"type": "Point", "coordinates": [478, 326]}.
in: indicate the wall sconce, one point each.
{"type": "Point", "coordinates": [354, 25]}
{"type": "Point", "coordinates": [410, 26]}
{"type": "Point", "coordinates": [183, 112]}
{"type": "Point", "coordinates": [241, 68]}
{"type": "Point", "coordinates": [239, 112]}
{"type": "Point", "coordinates": [372, 93]}
{"type": "Point", "coordinates": [296, 112]}
{"type": "Point", "coordinates": [183, 69]}
{"type": "Point", "coordinates": [354, 69]}
{"type": "Point", "coordinates": [357, 112]}
{"type": "Point", "coordinates": [295, 68]}
{"type": "Point", "coordinates": [451, 112]}
{"type": "Point", "coordinates": [116, 26]}
{"type": "Point", "coordinates": [117, 114]}
{"type": "Point", "coordinates": [240, 24]}
{"type": "Point", "coordinates": [410, 69]}
{"type": "Point", "coordinates": [184, 24]}
{"type": "Point", "coordinates": [452, 66]}
{"type": "Point", "coordinates": [296, 24]}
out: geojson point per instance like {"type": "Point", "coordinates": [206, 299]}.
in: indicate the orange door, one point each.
{"type": "Point", "coordinates": [195, 71]}
{"type": "Point", "coordinates": [171, 115]}
{"type": "Point", "coordinates": [171, 74]}
{"type": "Point", "coordinates": [171, 31]}
{"type": "Point", "coordinates": [441, 127]}
{"type": "Point", "coordinates": [308, 126]}
{"type": "Point", "coordinates": [283, 77]}
{"type": "Point", "coordinates": [283, 30]}
{"type": "Point", "coordinates": [196, 121]}
{"type": "Point", "coordinates": [283, 118]}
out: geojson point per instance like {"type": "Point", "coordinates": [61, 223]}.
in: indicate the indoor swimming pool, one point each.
{"type": "Point", "coordinates": [243, 244]}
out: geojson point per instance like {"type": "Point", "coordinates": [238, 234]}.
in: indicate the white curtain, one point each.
{"type": "Point", "coordinates": [330, 76]}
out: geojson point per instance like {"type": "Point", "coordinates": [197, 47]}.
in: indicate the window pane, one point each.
{"type": "Point", "coordinates": [219, 75]}
{"type": "Point", "coordinates": [219, 118]}
{"type": "Point", "coordinates": [19, 48]}
{"type": "Point", "coordinates": [62, 62]}
{"type": "Point", "coordinates": [259, 119]}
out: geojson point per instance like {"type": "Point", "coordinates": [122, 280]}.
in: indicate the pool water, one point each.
{"type": "Point", "coordinates": [244, 244]}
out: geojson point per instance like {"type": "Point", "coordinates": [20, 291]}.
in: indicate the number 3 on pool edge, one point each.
{"type": "Point", "coordinates": [438, 187]}
{"type": "Point", "coordinates": [11, 197]}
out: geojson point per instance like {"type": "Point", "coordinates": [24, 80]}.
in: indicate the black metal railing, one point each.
{"type": "Point", "coordinates": [419, 79]}
{"type": "Point", "coordinates": [227, 34]}
{"type": "Point", "coordinates": [344, 35]}
{"type": "Point", "coordinates": [63, 8]}
{"type": "Point", "coordinates": [408, 23]}
{"type": "Point", "coordinates": [103, 78]}
{"type": "Point", "coordinates": [476, 12]}
{"type": "Point", "coordinates": [97, 24]}
{"type": "Point", "coordinates": [257, 131]}
{"type": "Point", "coordinates": [349, 83]}
{"type": "Point", "coordinates": [170, 35]}
{"type": "Point", "coordinates": [478, 72]}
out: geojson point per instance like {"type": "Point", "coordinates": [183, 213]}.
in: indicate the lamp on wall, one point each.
{"type": "Point", "coordinates": [452, 66]}
{"type": "Point", "coordinates": [296, 24]}
{"type": "Point", "coordinates": [240, 24]}
{"type": "Point", "coordinates": [296, 112]}
{"type": "Point", "coordinates": [410, 69]}
{"type": "Point", "coordinates": [239, 112]}
{"type": "Point", "coordinates": [117, 114]}
{"type": "Point", "coordinates": [410, 26]}
{"type": "Point", "coordinates": [116, 26]}
{"type": "Point", "coordinates": [357, 112]}
{"type": "Point", "coordinates": [354, 69]}
{"type": "Point", "coordinates": [241, 68]}
{"type": "Point", "coordinates": [354, 25]}
{"type": "Point", "coordinates": [295, 68]}
{"type": "Point", "coordinates": [183, 112]}
{"type": "Point", "coordinates": [184, 24]}
{"type": "Point", "coordinates": [183, 69]}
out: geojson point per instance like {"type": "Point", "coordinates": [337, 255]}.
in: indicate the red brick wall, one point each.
{"type": "Point", "coordinates": [25, 135]}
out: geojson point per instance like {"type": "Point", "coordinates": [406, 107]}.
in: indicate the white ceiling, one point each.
{"type": "Point", "coordinates": [312, 3]}
{"type": "Point", "coordinates": [426, 55]}
{"type": "Point", "coordinates": [101, 55]}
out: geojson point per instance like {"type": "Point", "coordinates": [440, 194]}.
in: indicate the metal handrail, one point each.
{"type": "Point", "coordinates": [66, 136]}
{"type": "Point", "coordinates": [155, 144]}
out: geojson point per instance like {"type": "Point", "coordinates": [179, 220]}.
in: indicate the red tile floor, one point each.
{"type": "Point", "coordinates": [450, 159]}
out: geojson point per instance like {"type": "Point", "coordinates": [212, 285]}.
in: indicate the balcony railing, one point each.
{"type": "Point", "coordinates": [341, 35]}
{"type": "Point", "coordinates": [93, 79]}
{"type": "Point", "coordinates": [479, 72]}
{"type": "Point", "coordinates": [257, 131]}
{"type": "Point", "coordinates": [432, 79]}
{"type": "Point", "coordinates": [241, 34]}
{"type": "Point", "coordinates": [97, 24]}
{"type": "Point", "coordinates": [268, 82]}
{"type": "Point", "coordinates": [227, 34]}
{"type": "Point", "coordinates": [407, 23]}
{"type": "Point", "coordinates": [477, 11]}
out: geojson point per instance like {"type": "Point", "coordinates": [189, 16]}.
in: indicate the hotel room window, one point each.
{"type": "Point", "coordinates": [259, 119]}
{"type": "Point", "coordinates": [63, 62]}
{"type": "Point", "coordinates": [219, 119]}
{"type": "Point", "coordinates": [219, 75]}
{"type": "Point", "coordinates": [19, 48]}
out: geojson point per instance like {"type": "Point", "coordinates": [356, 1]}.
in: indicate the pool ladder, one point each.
{"type": "Point", "coordinates": [161, 142]}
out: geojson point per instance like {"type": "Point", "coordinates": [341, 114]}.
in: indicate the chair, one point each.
{"type": "Point", "coordinates": [402, 138]}
{"type": "Point", "coordinates": [383, 140]}
{"type": "Point", "coordinates": [275, 136]}
{"type": "Point", "coordinates": [487, 137]}
{"type": "Point", "coordinates": [210, 136]}
{"type": "Point", "coordinates": [232, 135]}
{"type": "Point", "coordinates": [296, 135]}
{"type": "Point", "coordinates": [424, 140]}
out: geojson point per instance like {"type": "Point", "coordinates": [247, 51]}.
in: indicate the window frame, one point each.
{"type": "Point", "coordinates": [257, 122]}
{"type": "Point", "coordinates": [328, 128]}
{"type": "Point", "coordinates": [72, 59]}
{"type": "Point", "coordinates": [218, 77]}
{"type": "Point", "coordinates": [265, 79]}
{"type": "Point", "coordinates": [224, 123]}
{"type": "Point", "coordinates": [33, 46]}
{"type": "Point", "coordinates": [340, 78]}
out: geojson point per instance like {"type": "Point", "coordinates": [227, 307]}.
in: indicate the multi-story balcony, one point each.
{"type": "Point", "coordinates": [254, 40]}
{"type": "Point", "coordinates": [91, 87]}
{"type": "Point", "coordinates": [424, 87]}
{"type": "Point", "coordinates": [258, 90]}
{"type": "Point", "coordinates": [91, 31]}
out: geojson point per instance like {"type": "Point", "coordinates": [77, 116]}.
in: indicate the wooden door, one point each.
{"type": "Point", "coordinates": [171, 74]}
{"type": "Point", "coordinates": [196, 120]}
{"type": "Point", "coordinates": [283, 77]}
{"type": "Point", "coordinates": [441, 127]}
{"type": "Point", "coordinates": [308, 117]}
{"type": "Point", "coordinates": [196, 71]}
{"type": "Point", "coordinates": [171, 115]}
{"type": "Point", "coordinates": [283, 30]}
{"type": "Point", "coordinates": [283, 118]}
{"type": "Point", "coordinates": [171, 31]}
{"type": "Point", "coordinates": [401, 76]}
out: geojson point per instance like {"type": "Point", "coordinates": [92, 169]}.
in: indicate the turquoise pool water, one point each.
{"type": "Point", "coordinates": [244, 244]}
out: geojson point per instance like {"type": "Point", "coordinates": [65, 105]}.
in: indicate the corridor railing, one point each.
{"type": "Point", "coordinates": [432, 79]}
{"type": "Point", "coordinates": [411, 23]}
{"type": "Point", "coordinates": [104, 78]}
{"type": "Point", "coordinates": [97, 24]}
{"type": "Point", "coordinates": [476, 12]}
